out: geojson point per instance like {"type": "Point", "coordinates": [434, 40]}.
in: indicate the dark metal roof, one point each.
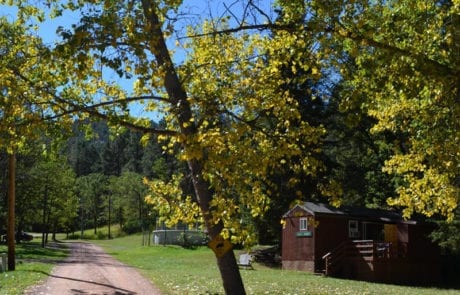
{"type": "Point", "coordinates": [357, 212]}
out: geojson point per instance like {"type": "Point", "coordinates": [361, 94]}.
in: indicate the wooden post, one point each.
{"type": "Point", "coordinates": [11, 211]}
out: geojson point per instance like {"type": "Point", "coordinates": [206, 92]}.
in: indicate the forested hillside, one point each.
{"type": "Point", "coordinates": [67, 186]}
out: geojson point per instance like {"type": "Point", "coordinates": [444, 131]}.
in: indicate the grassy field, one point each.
{"type": "Point", "coordinates": [190, 271]}
{"type": "Point", "coordinates": [193, 271]}
{"type": "Point", "coordinates": [33, 264]}
{"type": "Point", "coordinates": [101, 233]}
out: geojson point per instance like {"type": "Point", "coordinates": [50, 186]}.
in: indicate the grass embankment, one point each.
{"type": "Point", "coordinates": [101, 233]}
{"type": "Point", "coordinates": [33, 264]}
{"type": "Point", "coordinates": [193, 271]}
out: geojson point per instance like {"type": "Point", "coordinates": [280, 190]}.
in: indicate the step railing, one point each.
{"type": "Point", "coordinates": [367, 250]}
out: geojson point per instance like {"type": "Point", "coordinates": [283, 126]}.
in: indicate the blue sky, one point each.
{"type": "Point", "coordinates": [47, 31]}
{"type": "Point", "coordinates": [197, 9]}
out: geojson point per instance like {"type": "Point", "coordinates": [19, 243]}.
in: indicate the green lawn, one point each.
{"type": "Point", "coordinates": [193, 271]}
{"type": "Point", "coordinates": [190, 271]}
{"type": "Point", "coordinates": [33, 264]}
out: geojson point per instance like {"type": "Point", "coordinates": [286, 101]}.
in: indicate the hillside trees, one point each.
{"type": "Point", "coordinates": [128, 192]}
{"type": "Point", "coordinates": [120, 162]}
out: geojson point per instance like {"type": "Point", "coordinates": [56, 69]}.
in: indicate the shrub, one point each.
{"type": "Point", "coordinates": [132, 226]}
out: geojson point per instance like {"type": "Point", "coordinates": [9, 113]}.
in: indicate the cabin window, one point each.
{"type": "Point", "coordinates": [303, 223]}
{"type": "Point", "coordinates": [353, 229]}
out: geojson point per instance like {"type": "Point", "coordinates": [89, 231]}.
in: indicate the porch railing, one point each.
{"type": "Point", "coordinates": [367, 250]}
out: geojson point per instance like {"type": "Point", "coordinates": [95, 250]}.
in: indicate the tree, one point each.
{"type": "Point", "coordinates": [92, 190]}
{"type": "Point", "coordinates": [223, 133]}
{"type": "Point", "coordinates": [406, 76]}
{"type": "Point", "coordinates": [52, 182]}
{"type": "Point", "coordinates": [22, 108]}
{"type": "Point", "coordinates": [230, 136]}
{"type": "Point", "coordinates": [230, 116]}
{"type": "Point", "coordinates": [128, 192]}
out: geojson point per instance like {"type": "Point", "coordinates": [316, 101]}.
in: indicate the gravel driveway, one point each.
{"type": "Point", "coordinates": [89, 270]}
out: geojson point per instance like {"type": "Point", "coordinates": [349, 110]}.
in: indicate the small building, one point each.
{"type": "Point", "coordinates": [178, 237]}
{"type": "Point", "coordinates": [181, 234]}
{"type": "Point", "coordinates": [359, 243]}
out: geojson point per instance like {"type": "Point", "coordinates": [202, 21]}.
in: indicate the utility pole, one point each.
{"type": "Point", "coordinates": [11, 210]}
{"type": "Point", "coordinates": [110, 209]}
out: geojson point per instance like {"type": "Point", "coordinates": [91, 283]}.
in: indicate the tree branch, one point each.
{"type": "Point", "coordinates": [70, 108]}
{"type": "Point", "coordinates": [259, 27]}
{"type": "Point", "coordinates": [372, 42]}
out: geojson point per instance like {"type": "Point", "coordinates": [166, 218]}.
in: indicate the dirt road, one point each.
{"type": "Point", "coordinates": [89, 270]}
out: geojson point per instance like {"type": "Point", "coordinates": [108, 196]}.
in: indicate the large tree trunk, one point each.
{"type": "Point", "coordinates": [11, 211]}
{"type": "Point", "coordinates": [228, 267]}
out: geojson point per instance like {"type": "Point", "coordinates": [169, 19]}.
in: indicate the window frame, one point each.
{"type": "Point", "coordinates": [353, 232]}
{"type": "Point", "coordinates": [303, 224]}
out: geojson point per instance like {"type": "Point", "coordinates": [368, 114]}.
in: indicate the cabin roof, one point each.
{"type": "Point", "coordinates": [351, 211]}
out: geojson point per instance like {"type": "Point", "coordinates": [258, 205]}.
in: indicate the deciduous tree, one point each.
{"type": "Point", "coordinates": [224, 108]}
{"type": "Point", "coordinates": [23, 108]}
{"type": "Point", "coordinates": [406, 76]}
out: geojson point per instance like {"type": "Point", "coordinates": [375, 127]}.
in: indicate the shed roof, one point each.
{"type": "Point", "coordinates": [357, 212]}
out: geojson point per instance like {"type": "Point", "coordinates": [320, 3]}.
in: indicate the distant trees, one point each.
{"type": "Point", "coordinates": [110, 171]}
{"type": "Point", "coordinates": [130, 210]}
{"type": "Point", "coordinates": [92, 190]}
{"type": "Point", "coordinates": [68, 186]}
{"type": "Point", "coordinates": [48, 190]}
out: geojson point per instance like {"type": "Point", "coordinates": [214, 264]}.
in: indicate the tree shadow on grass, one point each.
{"type": "Point", "coordinates": [53, 252]}
{"type": "Point", "coordinates": [117, 290]}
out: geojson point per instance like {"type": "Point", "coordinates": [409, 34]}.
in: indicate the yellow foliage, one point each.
{"type": "Point", "coordinates": [407, 79]}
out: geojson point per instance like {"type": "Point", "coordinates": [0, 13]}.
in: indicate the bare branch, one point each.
{"type": "Point", "coordinates": [259, 27]}
{"type": "Point", "coordinates": [228, 9]}
{"type": "Point", "coordinates": [260, 11]}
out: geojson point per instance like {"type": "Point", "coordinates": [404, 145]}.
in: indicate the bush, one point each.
{"type": "Point", "coordinates": [73, 236]}
{"type": "Point", "coordinates": [101, 235]}
{"type": "Point", "coordinates": [132, 226]}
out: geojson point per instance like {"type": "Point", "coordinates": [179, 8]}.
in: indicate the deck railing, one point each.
{"type": "Point", "coordinates": [367, 250]}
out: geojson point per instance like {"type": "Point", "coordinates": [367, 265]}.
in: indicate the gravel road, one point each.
{"type": "Point", "coordinates": [89, 270]}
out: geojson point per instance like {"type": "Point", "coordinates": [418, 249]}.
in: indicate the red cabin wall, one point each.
{"type": "Point", "coordinates": [331, 231]}
{"type": "Point", "coordinates": [417, 259]}
{"type": "Point", "coordinates": [305, 253]}
{"type": "Point", "coordinates": [298, 251]}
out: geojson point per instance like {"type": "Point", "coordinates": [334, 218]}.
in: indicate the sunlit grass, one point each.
{"type": "Point", "coordinates": [176, 270]}
{"type": "Point", "coordinates": [33, 265]}
{"type": "Point", "coordinates": [101, 233]}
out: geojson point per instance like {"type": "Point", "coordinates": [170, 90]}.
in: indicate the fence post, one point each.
{"type": "Point", "coordinates": [3, 262]}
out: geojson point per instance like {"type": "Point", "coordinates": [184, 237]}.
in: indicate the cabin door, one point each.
{"type": "Point", "coordinates": [373, 231]}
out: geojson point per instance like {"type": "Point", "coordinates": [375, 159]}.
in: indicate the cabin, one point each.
{"type": "Point", "coordinates": [359, 243]}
